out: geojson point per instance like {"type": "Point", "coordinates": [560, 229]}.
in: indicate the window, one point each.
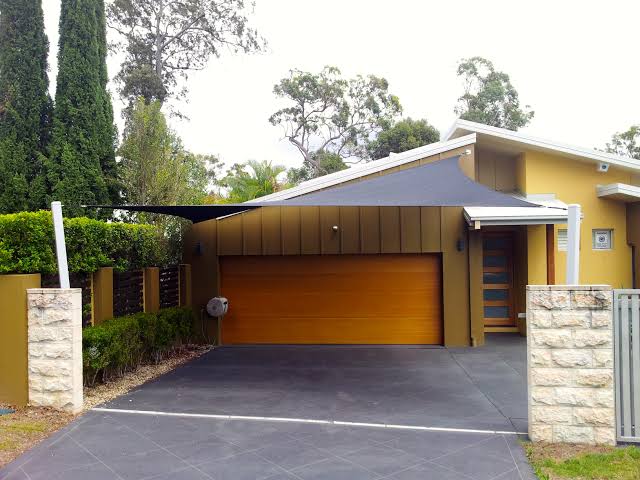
{"type": "Point", "coordinates": [562, 239]}
{"type": "Point", "coordinates": [602, 239]}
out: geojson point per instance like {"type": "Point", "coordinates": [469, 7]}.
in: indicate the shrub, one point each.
{"type": "Point", "coordinates": [124, 343]}
{"type": "Point", "coordinates": [27, 244]}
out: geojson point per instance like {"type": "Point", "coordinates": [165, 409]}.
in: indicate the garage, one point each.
{"type": "Point", "coordinates": [332, 299]}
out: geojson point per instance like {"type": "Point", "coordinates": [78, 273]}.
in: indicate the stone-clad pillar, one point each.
{"type": "Point", "coordinates": [570, 364]}
{"type": "Point", "coordinates": [55, 348]}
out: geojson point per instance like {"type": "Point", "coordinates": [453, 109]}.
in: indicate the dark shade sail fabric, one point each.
{"type": "Point", "coordinates": [436, 184]}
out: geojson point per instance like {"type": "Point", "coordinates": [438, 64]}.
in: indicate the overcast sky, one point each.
{"type": "Point", "coordinates": [575, 62]}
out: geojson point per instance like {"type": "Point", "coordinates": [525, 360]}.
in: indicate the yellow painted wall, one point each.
{"type": "Point", "coordinates": [574, 181]}
{"type": "Point", "coordinates": [14, 386]}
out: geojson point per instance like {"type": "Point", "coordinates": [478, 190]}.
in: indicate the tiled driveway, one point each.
{"type": "Point", "coordinates": [464, 389]}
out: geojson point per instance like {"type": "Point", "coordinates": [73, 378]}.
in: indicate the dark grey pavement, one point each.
{"type": "Point", "coordinates": [477, 389]}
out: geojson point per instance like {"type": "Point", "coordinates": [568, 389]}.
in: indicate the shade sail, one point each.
{"type": "Point", "coordinates": [436, 184]}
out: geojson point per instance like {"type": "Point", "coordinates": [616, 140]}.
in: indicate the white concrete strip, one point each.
{"type": "Point", "coordinates": [304, 420]}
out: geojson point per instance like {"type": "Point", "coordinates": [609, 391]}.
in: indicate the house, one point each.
{"type": "Point", "coordinates": [445, 275]}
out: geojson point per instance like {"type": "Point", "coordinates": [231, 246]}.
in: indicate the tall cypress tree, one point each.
{"type": "Point", "coordinates": [82, 165]}
{"type": "Point", "coordinates": [25, 106]}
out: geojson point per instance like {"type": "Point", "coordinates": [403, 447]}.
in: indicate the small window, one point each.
{"type": "Point", "coordinates": [562, 239]}
{"type": "Point", "coordinates": [602, 239]}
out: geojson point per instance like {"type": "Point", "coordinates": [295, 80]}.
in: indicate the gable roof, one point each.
{"type": "Point", "coordinates": [462, 128]}
{"type": "Point", "coordinates": [364, 169]}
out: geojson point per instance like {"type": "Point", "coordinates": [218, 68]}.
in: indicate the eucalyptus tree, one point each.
{"type": "Point", "coordinates": [165, 40]}
{"type": "Point", "coordinates": [489, 97]}
{"type": "Point", "coordinates": [325, 112]}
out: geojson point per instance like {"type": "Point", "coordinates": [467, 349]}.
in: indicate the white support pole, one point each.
{"type": "Point", "coordinates": [61, 249]}
{"type": "Point", "coordinates": [573, 245]}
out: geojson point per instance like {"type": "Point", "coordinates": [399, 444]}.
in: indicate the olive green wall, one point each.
{"type": "Point", "coordinates": [14, 386]}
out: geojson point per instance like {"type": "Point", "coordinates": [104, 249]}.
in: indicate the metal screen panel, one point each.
{"type": "Point", "coordinates": [626, 305]}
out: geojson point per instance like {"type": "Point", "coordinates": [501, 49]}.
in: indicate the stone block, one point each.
{"type": "Point", "coordinates": [540, 318]}
{"type": "Point", "coordinates": [572, 358]}
{"type": "Point", "coordinates": [541, 433]}
{"type": "Point", "coordinates": [601, 319]}
{"type": "Point", "coordinates": [571, 318]}
{"type": "Point", "coordinates": [595, 300]}
{"type": "Point", "coordinates": [551, 377]}
{"type": "Point", "coordinates": [573, 434]}
{"type": "Point", "coordinates": [600, 417]}
{"type": "Point", "coordinates": [604, 398]}
{"type": "Point", "coordinates": [554, 338]}
{"type": "Point", "coordinates": [603, 358]}
{"type": "Point", "coordinates": [592, 338]}
{"type": "Point", "coordinates": [540, 357]}
{"type": "Point", "coordinates": [578, 397]}
{"type": "Point", "coordinates": [594, 377]}
{"type": "Point", "coordinates": [543, 395]}
{"type": "Point", "coordinates": [40, 333]}
{"type": "Point", "coordinates": [551, 415]}
{"type": "Point", "coordinates": [605, 435]}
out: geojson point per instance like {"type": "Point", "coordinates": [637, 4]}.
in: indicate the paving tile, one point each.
{"type": "Point", "coordinates": [96, 471]}
{"type": "Point", "coordinates": [60, 456]}
{"type": "Point", "coordinates": [337, 440]}
{"type": "Point", "coordinates": [246, 466]}
{"type": "Point", "coordinates": [383, 460]}
{"type": "Point", "coordinates": [169, 431]}
{"type": "Point", "coordinates": [430, 445]}
{"type": "Point", "coordinates": [292, 454]}
{"type": "Point", "coordinates": [510, 475]}
{"type": "Point", "coordinates": [334, 469]}
{"type": "Point", "coordinates": [145, 465]}
{"type": "Point", "coordinates": [201, 452]}
{"type": "Point", "coordinates": [109, 441]}
{"type": "Point", "coordinates": [16, 474]}
{"type": "Point", "coordinates": [185, 474]}
{"type": "Point", "coordinates": [428, 471]}
{"type": "Point", "coordinates": [479, 461]}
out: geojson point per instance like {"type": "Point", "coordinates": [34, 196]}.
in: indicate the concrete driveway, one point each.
{"type": "Point", "coordinates": [334, 413]}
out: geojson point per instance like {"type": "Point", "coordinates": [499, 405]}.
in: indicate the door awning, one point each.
{"type": "Point", "coordinates": [437, 184]}
{"type": "Point", "coordinates": [549, 211]}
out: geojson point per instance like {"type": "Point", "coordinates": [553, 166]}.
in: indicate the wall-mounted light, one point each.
{"type": "Point", "coordinates": [460, 244]}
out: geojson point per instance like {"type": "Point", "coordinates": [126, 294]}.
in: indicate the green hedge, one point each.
{"type": "Point", "coordinates": [123, 343]}
{"type": "Point", "coordinates": [27, 244]}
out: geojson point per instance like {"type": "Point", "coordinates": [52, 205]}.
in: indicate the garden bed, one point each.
{"type": "Point", "coordinates": [28, 426]}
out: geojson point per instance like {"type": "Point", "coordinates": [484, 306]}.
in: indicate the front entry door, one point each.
{"type": "Point", "coordinates": [497, 279]}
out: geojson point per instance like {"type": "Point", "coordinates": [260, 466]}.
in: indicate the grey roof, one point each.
{"type": "Point", "coordinates": [439, 183]}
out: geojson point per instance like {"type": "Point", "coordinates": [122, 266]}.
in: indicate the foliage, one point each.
{"type": "Point", "coordinates": [252, 180]}
{"type": "Point", "coordinates": [156, 169]}
{"type": "Point", "coordinates": [124, 343]}
{"type": "Point", "coordinates": [402, 136]}
{"type": "Point", "coordinates": [82, 167]}
{"type": "Point", "coordinates": [27, 244]}
{"type": "Point", "coordinates": [326, 163]}
{"type": "Point", "coordinates": [327, 113]}
{"type": "Point", "coordinates": [489, 97]}
{"type": "Point", "coordinates": [600, 463]}
{"type": "Point", "coordinates": [164, 40]}
{"type": "Point", "coordinates": [25, 106]}
{"type": "Point", "coordinates": [626, 143]}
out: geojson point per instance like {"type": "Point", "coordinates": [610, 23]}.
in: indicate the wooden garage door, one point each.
{"type": "Point", "coordinates": [331, 299]}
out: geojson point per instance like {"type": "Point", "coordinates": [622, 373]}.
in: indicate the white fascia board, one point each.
{"type": "Point", "coordinates": [369, 168]}
{"type": "Point", "coordinates": [620, 191]}
{"type": "Point", "coordinates": [524, 139]}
